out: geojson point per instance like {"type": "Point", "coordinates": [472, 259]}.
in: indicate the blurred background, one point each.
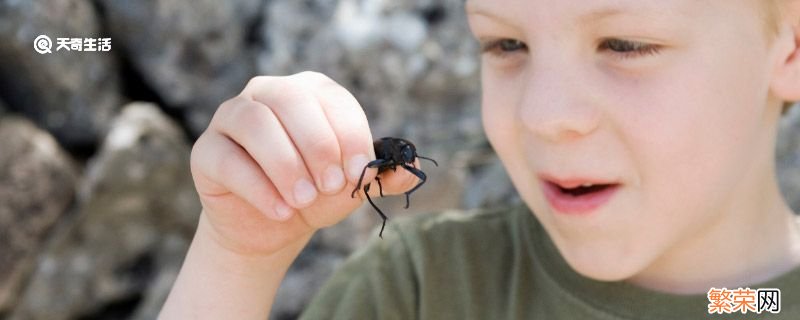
{"type": "Point", "coordinates": [97, 205]}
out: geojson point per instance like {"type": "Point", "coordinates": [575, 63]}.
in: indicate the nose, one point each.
{"type": "Point", "coordinates": [557, 104]}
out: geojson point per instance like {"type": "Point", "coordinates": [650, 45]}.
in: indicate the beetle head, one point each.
{"type": "Point", "coordinates": [407, 153]}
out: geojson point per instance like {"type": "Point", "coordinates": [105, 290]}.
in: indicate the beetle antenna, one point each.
{"type": "Point", "coordinates": [429, 159]}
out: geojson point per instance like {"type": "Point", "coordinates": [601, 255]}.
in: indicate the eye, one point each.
{"type": "Point", "coordinates": [503, 47]}
{"type": "Point", "coordinates": [628, 49]}
{"type": "Point", "coordinates": [407, 154]}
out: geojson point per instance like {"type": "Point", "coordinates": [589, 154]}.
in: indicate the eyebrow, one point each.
{"type": "Point", "coordinates": [594, 14]}
{"type": "Point", "coordinates": [603, 12]}
{"type": "Point", "coordinates": [472, 8]}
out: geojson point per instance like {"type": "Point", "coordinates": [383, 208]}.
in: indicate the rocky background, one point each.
{"type": "Point", "coordinates": [97, 205]}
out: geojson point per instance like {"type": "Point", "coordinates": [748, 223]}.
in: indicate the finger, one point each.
{"type": "Point", "coordinates": [258, 131]}
{"type": "Point", "coordinates": [220, 166]}
{"type": "Point", "coordinates": [349, 123]}
{"type": "Point", "coordinates": [303, 117]}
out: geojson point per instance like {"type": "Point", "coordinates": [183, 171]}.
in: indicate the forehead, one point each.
{"type": "Point", "coordinates": [536, 10]}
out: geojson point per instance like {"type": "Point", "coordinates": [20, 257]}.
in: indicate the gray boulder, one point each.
{"type": "Point", "coordinates": [136, 211]}
{"type": "Point", "coordinates": [37, 184]}
{"type": "Point", "coordinates": [72, 94]}
{"type": "Point", "coordinates": [194, 54]}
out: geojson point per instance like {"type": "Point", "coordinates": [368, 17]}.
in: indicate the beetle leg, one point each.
{"type": "Point", "coordinates": [380, 213]}
{"type": "Point", "coordinates": [421, 175]}
{"type": "Point", "coordinates": [372, 164]}
{"type": "Point", "coordinates": [429, 159]}
{"type": "Point", "coordinates": [380, 187]}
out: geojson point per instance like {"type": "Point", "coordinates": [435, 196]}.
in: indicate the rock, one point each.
{"type": "Point", "coordinates": [788, 157]}
{"type": "Point", "coordinates": [136, 211]}
{"type": "Point", "coordinates": [71, 94]}
{"type": "Point", "coordinates": [489, 186]}
{"type": "Point", "coordinates": [411, 64]}
{"type": "Point", "coordinates": [194, 54]}
{"type": "Point", "coordinates": [168, 258]}
{"type": "Point", "coordinates": [37, 183]}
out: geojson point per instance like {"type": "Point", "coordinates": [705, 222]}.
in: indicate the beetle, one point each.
{"type": "Point", "coordinates": [391, 153]}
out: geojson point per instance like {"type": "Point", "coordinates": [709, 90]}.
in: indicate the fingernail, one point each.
{"type": "Point", "coordinates": [332, 179]}
{"type": "Point", "coordinates": [304, 192]}
{"type": "Point", "coordinates": [282, 211]}
{"type": "Point", "coordinates": [356, 166]}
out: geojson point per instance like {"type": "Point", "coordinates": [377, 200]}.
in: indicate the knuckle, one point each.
{"type": "Point", "coordinates": [324, 147]}
{"type": "Point", "coordinates": [196, 155]}
{"type": "Point", "coordinates": [289, 94]}
{"type": "Point", "coordinates": [341, 98]}
{"type": "Point", "coordinates": [231, 112]}
{"type": "Point", "coordinates": [241, 115]}
{"type": "Point", "coordinates": [358, 141]}
{"type": "Point", "coordinates": [243, 122]}
{"type": "Point", "coordinates": [257, 82]}
{"type": "Point", "coordinates": [206, 160]}
{"type": "Point", "coordinates": [223, 111]}
{"type": "Point", "coordinates": [224, 166]}
{"type": "Point", "coordinates": [314, 76]}
{"type": "Point", "coordinates": [320, 81]}
{"type": "Point", "coordinates": [227, 104]}
{"type": "Point", "coordinates": [252, 114]}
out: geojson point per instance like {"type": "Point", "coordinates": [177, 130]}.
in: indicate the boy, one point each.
{"type": "Point", "coordinates": [641, 138]}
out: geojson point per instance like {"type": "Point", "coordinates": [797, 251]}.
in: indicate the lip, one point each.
{"type": "Point", "coordinates": [580, 205]}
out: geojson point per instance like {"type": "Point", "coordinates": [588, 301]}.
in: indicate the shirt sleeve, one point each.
{"type": "Point", "coordinates": [377, 282]}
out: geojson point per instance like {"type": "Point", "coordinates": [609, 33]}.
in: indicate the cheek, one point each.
{"type": "Point", "coordinates": [714, 116]}
{"type": "Point", "coordinates": [498, 110]}
{"type": "Point", "coordinates": [698, 135]}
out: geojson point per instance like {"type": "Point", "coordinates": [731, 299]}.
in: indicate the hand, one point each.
{"type": "Point", "coordinates": [281, 159]}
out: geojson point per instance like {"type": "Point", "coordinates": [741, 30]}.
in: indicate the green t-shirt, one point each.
{"type": "Point", "coordinates": [497, 265]}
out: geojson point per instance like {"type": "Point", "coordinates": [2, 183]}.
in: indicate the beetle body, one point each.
{"type": "Point", "coordinates": [391, 153]}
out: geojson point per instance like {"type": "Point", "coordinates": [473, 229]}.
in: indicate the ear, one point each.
{"type": "Point", "coordinates": [786, 79]}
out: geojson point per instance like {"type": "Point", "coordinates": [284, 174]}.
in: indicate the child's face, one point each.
{"type": "Point", "coordinates": [667, 100]}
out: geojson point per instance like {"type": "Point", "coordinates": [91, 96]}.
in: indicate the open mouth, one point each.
{"type": "Point", "coordinates": [583, 190]}
{"type": "Point", "coordinates": [578, 197]}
